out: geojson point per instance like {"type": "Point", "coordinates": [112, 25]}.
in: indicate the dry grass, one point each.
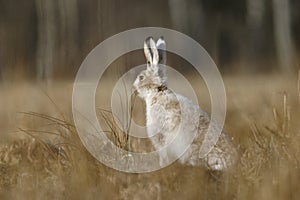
{"type": "Point", "coordinates": [45, 159]}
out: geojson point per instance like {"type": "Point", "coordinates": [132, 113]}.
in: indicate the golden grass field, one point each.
{"type": "Point", "coordinates": [41, 156]}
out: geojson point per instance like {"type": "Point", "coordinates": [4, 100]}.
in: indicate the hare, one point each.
{"type": "Point", "coordinates": [169, 114]}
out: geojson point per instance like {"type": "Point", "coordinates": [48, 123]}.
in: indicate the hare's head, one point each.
{"type": "Point", "coordinates": [153, 79]}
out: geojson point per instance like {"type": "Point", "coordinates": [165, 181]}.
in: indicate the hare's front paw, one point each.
{"type": "Point", "coordinates": [163, 162]}
{"type": "Point", "coordinates": [216, 163]}
{"type": "Point", "coordinates": [163, 158]}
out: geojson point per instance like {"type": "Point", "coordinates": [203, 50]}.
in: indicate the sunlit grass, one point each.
{"type": "Point", "coordinates": [46, 159]}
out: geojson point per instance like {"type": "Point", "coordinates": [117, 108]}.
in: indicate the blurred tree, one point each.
{"type": "Point", "coordinates": [47, 38]}
{"type": "Point", "coordinates": [57, 36]}
{"type": "Point", "coordinates": [46, 45]}
{"type": "Point", "coordinates": [283, 39]}
{"type": "Point", "coordinates": [68, 37]}
{"type": "Point", "coordinates": [224, 21]}
{"type": "Point", "coordinates": [256, 33]}
{"type": "Point", "coordinates": [255, 12]}
{"type": "Point", "coordinates": [179, 14]}
{"type": "Point", "coordinates": [17, 44]}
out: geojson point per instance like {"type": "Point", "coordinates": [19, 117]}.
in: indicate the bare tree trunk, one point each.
{"type": "Point", "coordinates": [1, 74]}
{"type": "Point", "coordinates": [256, 39]}
{"type": "Point", "coordinates": [46, 38]}
{"type": "Point", "coordinates": [179, 13]}
{"type": "Point", "coordinates": [284, 46]}
{"type": "Point", "coordinates": [255, 12]}
{"type": "Point", "coordinates": [68, 18]}
{"type": "Point", "coordinates": [106, 18]}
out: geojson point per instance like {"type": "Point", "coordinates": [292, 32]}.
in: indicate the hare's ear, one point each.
{"type": "Point", "coordinates": [147, 53]}
{"type": "Point", "coordinates": [155, 57]}
{"type": "Point", "coordinates": [161, 48]}
{"type": "Point", "coordinates": [151, 54]}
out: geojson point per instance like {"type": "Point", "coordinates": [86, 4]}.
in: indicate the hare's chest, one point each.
{"type": "Point", "coordinates": [155, 119]}
{"type": "Point", "coordinates": [161, 119]}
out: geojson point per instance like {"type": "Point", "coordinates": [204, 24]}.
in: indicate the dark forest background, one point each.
{"type": "Point", "coordinates": [44, 39]}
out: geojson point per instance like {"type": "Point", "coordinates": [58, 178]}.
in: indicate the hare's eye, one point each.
{"type": "Point", "coordinates": [141, 77]}
{"type": "Point", "coordinates": [148, 62]}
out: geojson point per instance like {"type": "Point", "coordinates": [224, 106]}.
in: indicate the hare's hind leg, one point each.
{"type": "Point", "coordinates": [163, 157]}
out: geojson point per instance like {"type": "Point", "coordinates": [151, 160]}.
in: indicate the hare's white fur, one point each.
{"type": "Point", "coordinates": [169, 114]}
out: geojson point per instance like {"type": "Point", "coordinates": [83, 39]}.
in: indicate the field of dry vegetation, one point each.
{"type": "Point", "coordinates": [42, 157]}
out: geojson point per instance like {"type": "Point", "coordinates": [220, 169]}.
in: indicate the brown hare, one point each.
{"type": "Point", "coordinates": [169, 114]}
